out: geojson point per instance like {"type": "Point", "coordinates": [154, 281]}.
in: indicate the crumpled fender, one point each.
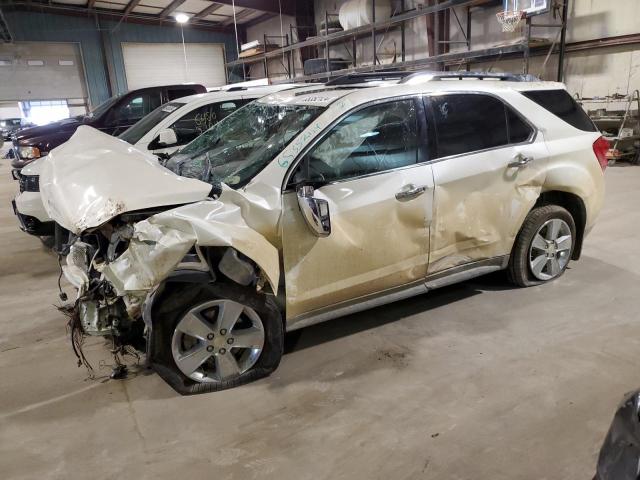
{"type": "Point", "coordinates": [160, 242]}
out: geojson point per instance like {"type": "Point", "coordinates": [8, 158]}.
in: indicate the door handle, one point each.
{"type": "Point", "coordinates": [410, 191]}
{"type": "Point", "coordinates": [519, 161]}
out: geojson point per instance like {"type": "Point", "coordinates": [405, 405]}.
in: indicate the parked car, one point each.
{"type": "Point", "coordinates": [310, 204]}
{"type": "Point", "coordinates": [163, 131]}
{"type": "Point", "coordinates": [9, 126]}
{"type": "Point", "coordinates": [112, 117]}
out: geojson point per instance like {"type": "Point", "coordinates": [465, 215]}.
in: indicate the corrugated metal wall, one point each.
{"type": "Point", "coordinates": [89, 32]}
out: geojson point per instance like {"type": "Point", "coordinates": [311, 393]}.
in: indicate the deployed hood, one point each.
{"type": "Point", "coordinates": [94, 177]}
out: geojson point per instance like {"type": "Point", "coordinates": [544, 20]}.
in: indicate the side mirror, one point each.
{"type": "Point", "coordinates": [315, 211]}
{"type": "Point", "coordinates": [167, 137]}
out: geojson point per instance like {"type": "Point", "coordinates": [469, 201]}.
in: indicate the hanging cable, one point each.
{"type": "Point", "coordinates": [184, 52]}
{"type": "Point", "coordinates": [281, 35]}
{"type": "Point", "coordinates": [235, 26]}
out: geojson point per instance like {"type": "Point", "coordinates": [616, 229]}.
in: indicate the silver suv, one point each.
{"type": "Point", "coordinates": [310, 204]}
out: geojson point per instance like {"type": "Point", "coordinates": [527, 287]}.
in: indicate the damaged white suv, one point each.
{"type": "Point", "coordinates": [313, 203]}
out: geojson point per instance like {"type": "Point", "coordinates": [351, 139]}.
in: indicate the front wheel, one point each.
{"type": "Point", "coordinates": [543, 247]}
{"type": "Point", "coordinates": [218, 336]}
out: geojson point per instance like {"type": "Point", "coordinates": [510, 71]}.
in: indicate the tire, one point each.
{"type": "Point", "coordinates": [521, 270]}
{"type": "Point", "coordinates": [208, 301]}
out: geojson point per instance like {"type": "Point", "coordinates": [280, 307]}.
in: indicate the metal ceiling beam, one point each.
{"type": "Point", "coordinates": [172, 7]}
{"type": "Point", "coordinates": [239, 16]}
{"type": "Point", "coordinates": [81, 11]}
{"type": "Point", "coordinates": [129, 8]}
{"type": "Point", "coordinates": [5, 33]}
{"type": "Point", "coordinates": [208, 11]}
{"type": "Point", "coordinates": [288, 7]}
{"type": "Point", "coordinates": [259, 19]}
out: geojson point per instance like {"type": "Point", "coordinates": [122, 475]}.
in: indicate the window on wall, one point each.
{"type": "Point", "coordinates": [468, 123]}
{"type": "Point", "coordinates": [42, 112]}
{"type": "Point", "coordinates": [374, 139]}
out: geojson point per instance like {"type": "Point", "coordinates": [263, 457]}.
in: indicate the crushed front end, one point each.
{"type": "Point", "coordinates": [115, 268]}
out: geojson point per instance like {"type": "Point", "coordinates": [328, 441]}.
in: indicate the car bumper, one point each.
{"type": "Point", "coordinates": [31, 214]}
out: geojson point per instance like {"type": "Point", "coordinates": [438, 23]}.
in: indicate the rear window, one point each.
{"type": "Point", "coordinates": [562, 105]}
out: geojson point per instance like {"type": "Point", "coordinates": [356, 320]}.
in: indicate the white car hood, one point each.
{"type": "Point", "coordinates": [94, 177]}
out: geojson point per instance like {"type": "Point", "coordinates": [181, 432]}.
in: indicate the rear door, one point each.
{"type": "Point", "coordinates": [488, 169]}
{"type": "Point", "coordinates": [372, 169]}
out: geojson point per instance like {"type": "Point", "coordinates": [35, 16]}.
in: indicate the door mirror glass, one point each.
{"type": "Point", "coordinates": [315, 211]}
{"type": "Point", "coordinates": [167, 138]}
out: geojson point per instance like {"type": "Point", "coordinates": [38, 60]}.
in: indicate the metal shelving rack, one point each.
{"type": "Point", "coordinates": [441, 60]}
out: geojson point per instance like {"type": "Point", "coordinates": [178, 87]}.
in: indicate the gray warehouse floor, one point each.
{"type": "Point", "coordinates": [475, 381]}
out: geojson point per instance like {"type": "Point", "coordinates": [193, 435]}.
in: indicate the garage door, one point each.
{"type": "Point", "coordinates": [41, 71]}
{"type": "Point", "coordinates": [152, 64]}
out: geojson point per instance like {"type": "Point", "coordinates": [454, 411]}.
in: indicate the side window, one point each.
{"type": "Point", "coordinates": [468, 122]}
{"type": "Point", "coordinates": [374, 139]}
{"type": "Point", "coordinates": [224, 109]}
{"type": "Point", "coordinates": [562, 105]}
{"type": "Point", "coordinates": [173, 93]}
{"type": "Point", "coordinates": [137, 107]}
{"type": "Point", "coordinates": [519, 131]}
{"type": "Point", "coordinates": [194, 123]}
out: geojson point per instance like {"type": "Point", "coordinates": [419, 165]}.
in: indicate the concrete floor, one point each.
{"type": "Point", "coordinates": [475, 381]}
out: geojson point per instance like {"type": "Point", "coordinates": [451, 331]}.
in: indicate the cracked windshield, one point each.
{"type": "Point", "coordinates": [237, 148]}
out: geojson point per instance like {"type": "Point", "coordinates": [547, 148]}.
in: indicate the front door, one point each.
{"type": "Point", "coordinates": [488, 170]}
{"type": "Point", "coordinates": [370, 169]}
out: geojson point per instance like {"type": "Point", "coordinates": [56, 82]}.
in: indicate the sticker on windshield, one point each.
{"type": "Point", "coordinates": [169, 108]}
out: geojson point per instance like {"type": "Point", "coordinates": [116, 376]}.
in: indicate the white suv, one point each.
{"type": "Point", "coordinates": [313, 203]}
{"type": "Point", "coordinates": [161, 132]}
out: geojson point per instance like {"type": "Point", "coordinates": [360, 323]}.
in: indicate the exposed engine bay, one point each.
{"type": "Point", "coordinates": [115, 285]}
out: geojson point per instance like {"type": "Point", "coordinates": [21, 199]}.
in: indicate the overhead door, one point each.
{"type": "Point", "coordinates": [41, 71]}
{"type": "Point", "coordinates": [152, 64]}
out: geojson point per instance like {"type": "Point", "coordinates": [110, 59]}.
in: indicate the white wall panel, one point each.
{"type": "Point", "coordinates": [152, 64]}
{"type": "Point", "coordinates": [50, 81]}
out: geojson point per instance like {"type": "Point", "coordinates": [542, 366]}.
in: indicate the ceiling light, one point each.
{"type": "Point", "coordinates": [181, 17]}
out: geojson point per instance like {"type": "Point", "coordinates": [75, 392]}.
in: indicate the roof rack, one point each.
{"type": "Point", "coordinates": [436, 76]}
{"type": "Point", "coordinates": [364, 77]}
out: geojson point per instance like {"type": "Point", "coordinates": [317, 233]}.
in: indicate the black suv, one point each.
{"type": "Point", "coordinates": [113, 117]}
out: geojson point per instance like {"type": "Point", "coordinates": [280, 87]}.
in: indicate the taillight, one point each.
{"type": "Point", "coordinates": [600, 148]}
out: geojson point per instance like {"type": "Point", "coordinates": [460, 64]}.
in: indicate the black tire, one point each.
{"type": "Point", "coordinates": [180, 301]}
{"type": "Point", "coordinates": [518, 271]}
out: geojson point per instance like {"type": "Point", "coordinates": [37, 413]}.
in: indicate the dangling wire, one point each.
{"type": "Point", "coordinates": [281, 34]}
{"type": "Point", "coordinates": [235, 26]}
{"type": "Point", "coordinates": [184, 52]}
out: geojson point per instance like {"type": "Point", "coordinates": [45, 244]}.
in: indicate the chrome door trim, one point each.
{"type": "Point", "coordinates": [466, 271]}
{"type": "Point", "coordinates": [446, 277]}
{"type": "Point", "coordinates": [357, 305]}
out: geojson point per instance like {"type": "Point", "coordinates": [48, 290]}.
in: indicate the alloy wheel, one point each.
{"type": "Point", "coordinates": [550, 249]}
{"type": "Point", "coordinates": [217, 341]}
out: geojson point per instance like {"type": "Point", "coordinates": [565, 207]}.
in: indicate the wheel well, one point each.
{"type": "Point", "coordinates": [575, 206]}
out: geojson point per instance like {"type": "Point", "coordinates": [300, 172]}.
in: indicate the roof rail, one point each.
{"type": "Point", "coordinates": [436, 76]}
{"type": "Point", "coordinates": [364, 77]}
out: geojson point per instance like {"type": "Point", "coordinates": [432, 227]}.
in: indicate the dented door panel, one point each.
{"type": "Point", "coordinates": [377, 242]}
{"type": "Point", "coordinates": [481, 202]}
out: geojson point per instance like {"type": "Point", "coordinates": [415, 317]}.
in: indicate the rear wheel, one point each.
{"type": "Point", "coordinates": [216, 337]}
{"type": "Point", "coordinates": [543, 247]}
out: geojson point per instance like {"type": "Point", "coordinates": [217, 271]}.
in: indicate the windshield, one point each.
{"type": "Point", "coordinates": [234, 150]}
{"type": "Point", "coordinates": [103, 107]}
{"type": "Point", "coordinates": [139, 129]}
